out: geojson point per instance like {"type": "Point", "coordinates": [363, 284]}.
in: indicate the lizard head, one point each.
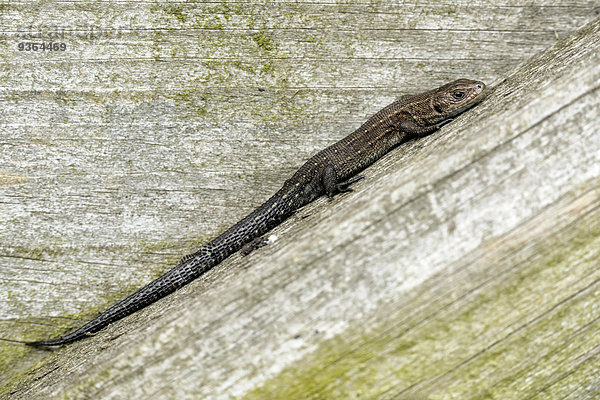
{"type": "Point", "coordinates": [455, 97]}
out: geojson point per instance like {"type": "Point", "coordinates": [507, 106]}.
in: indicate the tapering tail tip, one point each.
{"type": "Point", "coordinates": [55, 342]}
{"type": "Point", "coordinates": [46, 343]}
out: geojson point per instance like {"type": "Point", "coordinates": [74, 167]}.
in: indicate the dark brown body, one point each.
{"type": "Point", "coordinates": [327, 172]}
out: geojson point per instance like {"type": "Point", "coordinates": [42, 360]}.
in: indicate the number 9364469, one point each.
{"type": "Point", "coordinates": [50, 46]}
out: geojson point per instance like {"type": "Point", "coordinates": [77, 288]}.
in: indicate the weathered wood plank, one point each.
{"type": "Point", "coordinates": [117, 152]}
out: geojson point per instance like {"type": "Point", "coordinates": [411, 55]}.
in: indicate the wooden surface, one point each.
{"type": "Point", "coordinates": [463, 267]}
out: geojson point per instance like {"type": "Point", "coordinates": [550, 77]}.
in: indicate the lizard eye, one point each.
{"type": "Point", "coordinates": [458, 94]}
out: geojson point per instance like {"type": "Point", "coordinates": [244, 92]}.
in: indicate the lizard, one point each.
{"type": "Point", "coordinates": [330, 171]}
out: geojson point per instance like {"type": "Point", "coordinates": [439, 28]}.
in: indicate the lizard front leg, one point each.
{"type": "Point", "coordinates": [410, 126]}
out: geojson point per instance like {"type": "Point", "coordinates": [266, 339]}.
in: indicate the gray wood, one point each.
{"type": "Point", "coordinates": [464, 264]}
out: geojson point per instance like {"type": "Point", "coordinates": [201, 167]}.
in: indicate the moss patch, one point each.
{"type": "Point", "coordinates": [177, 12]}
{"type": "Point", "coordinates": [505, 339]}
{"type": "Point", "coordinates": [263, 40]}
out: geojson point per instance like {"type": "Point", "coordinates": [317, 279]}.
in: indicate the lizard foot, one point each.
{"type": "Point", "coordinates": [344, 187]}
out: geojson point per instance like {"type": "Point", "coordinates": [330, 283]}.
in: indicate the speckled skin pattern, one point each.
{"type": "Point", "coordinates": [328, 172]}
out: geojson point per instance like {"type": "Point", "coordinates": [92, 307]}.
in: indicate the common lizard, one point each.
{"type": "Point", "coordinates": [330, 171]}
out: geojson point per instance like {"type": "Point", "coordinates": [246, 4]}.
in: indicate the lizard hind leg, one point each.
{"type": "Point", "coordinates": [344, 186]}
{"type": "Point", "coordinates": [331, 184]}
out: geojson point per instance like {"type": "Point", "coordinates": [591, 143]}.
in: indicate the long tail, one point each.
{"type": "Point", "coordinates": [189, 268]}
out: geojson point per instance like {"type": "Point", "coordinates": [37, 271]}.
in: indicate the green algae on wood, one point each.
{"type": "Point", "coordinates": [342, 74]}
{"type": "Point", "coordinates": [487, 345]}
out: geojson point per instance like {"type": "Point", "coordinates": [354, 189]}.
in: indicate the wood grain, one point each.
{"type": "Point", "coordinates": [464, 266]}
